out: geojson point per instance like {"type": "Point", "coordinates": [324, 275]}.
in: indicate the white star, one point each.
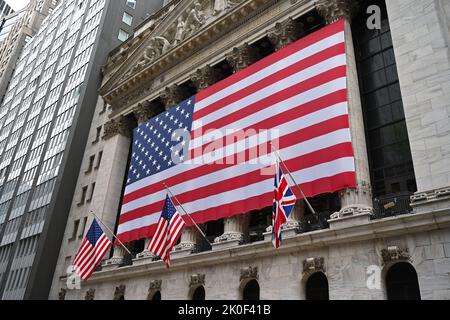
{"type": "Point", "coordinates": [148, 172]}
{"type": "Point", "coordinates": [158, 167]}
{"type": "Point", "coordinates": [189, 102]}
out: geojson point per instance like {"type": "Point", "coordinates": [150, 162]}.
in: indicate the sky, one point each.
{"type": "Point", "coordinates": [17, 4]}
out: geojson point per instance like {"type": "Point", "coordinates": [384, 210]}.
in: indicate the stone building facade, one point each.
{"type": "Point", "coordinates": [388, 238]}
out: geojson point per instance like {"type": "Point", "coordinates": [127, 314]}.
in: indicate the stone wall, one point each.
{"type": "Point", "coordinates": [420, 32]}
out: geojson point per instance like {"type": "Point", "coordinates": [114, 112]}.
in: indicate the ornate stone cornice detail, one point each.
{"type": "Point", "coordinates": [62, 294]}
{"type": "Point", "coordinates": [394, 253]}
{"type": "Point", "coordinates": [333, 10]}
{"type": "Point", "coordinates": [171, 95]}
{"type": "Point", "coordinates": [249, 273]}
{"type": "Point", "coordinates": [197, 280]}
{"type": "Point", "coordinates": [119, 292]}
{"type": "Point", "coordinates": [431, 195]}
{"type": "Point", "coordinates": [241, 57]}
{"type": "Point", "coordinates": [90, 294]}
{"type": "Point", "coordinates": [122, 125]}
{"type": "Point", "coordinates": [144, 111]}
{"type": "Point", "coordinates": [311, 265]}
{"type": "Point", "coordinates": [284, 33]}
{"type": "Point", "coordinates": [204, 77]}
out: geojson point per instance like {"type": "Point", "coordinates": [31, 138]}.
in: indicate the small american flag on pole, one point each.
{"type": "Point", "coordinates": [92, 250]}
{"type": "Point", "coordinates": [168, 231]}
{"type": "Point", "coordinates": [283, 203]}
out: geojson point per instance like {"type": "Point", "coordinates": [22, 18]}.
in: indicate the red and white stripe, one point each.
{"type": "Point", "coordinates": [166, 236]}
{"type": "Point", "coordinates": [300, 90]}
{"type": "Point", "coordinates": [88, 256]}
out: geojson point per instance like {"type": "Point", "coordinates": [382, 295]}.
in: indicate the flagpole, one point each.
{"type": "Point", "coordinates": [190, 218]}
{"type": "Point", "coordinates": [112, 233]}
{"type": "Point", "coordinates": [292, 178]}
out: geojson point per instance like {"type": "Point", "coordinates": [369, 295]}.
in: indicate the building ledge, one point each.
{"type": "Point", "coordinates": [392, 226]}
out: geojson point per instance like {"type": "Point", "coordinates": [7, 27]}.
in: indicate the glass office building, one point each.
{"type": "Point", "coordinates": [44, 123]}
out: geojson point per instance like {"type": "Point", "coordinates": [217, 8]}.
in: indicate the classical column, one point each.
{"type": "Point", "coordinates": [234, 230]}
{"type": "Point", "coordinates": [189, 239]}
{"type": "Point", "coordinates": [204, 77]}
{"type": "Point", "coordinates": [284, 33]}
{"type": "Point", "coordinates": [110, 179]}
{"type": "Point", "coordinates": [356, 204]}
{"type": "Point", "coordinates": [241, 57]}
{"type": "Point", "coordinates": [236, 227]}
{"type": "Point", "coordinates": [143, 112]}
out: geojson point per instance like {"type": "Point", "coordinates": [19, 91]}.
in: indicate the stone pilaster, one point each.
{"type": "Point", "coordinates": [171, 95]}
{"type": "Point", "coordinates": [284, 33]}
{"type": "Point", "coordinates": [241, 57]}
{"type": "Point", "coordinates": [235, 229]}
{"type": "Point", "coordinates": [110, 178]}
{"type": "Point", "coordinates": [356, 204]}
{"type": "Point", "coordinates": [204, 77]}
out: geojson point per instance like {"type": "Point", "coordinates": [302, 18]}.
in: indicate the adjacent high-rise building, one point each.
{"type": "Point", "coordinates": [5, 9]}
{"type": "Point", "coordinates": [44, 123]}
{"type": "Point", "coordinates": [15, 31]}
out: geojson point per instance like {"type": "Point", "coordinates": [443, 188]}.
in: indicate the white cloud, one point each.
{"type": "Point", "coordinates": [17, 4]}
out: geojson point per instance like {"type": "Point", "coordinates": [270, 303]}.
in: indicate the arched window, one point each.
{"type": "Point", "coordinates": [317, 287]}
{"type": "Point", "coordinates": [251, 291]}
{"type": "Point", "coordinates": [402, 283]}
{"type": "Point", "coordinates": [199, 293]}
{"type": "Point", "coordinates": [157, 296]}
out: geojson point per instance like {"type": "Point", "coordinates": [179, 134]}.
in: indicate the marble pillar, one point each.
{"type": "Point", "coordinates": [106, 199]}
{"type": "Point", "coordinates": [356, 204]}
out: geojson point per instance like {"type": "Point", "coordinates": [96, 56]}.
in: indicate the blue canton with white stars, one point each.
{"type": "Point", "coordinates": [94, 233]}
{"type": "Point", "coordinates": [169, 210]}
{"type": "Point", "coordinates": [155, 140]}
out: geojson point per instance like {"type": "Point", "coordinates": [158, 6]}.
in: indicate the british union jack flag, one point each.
{"type": "Point", "coordinates": [283, 203]}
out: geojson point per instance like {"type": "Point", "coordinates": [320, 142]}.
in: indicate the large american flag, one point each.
{"type": "Point", "coordinates": [92, 250]}
{"type": "Point", "coordinates": [299, 92]}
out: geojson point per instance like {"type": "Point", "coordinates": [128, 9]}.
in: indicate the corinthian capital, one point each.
{"type": "Point", "coordinates": [333, 10]}
{"type": "Point", "coordinates": [172, 95]}
{"type": "Point", "coordinates": [122, 125]}
{"type": "Point", "coordinates": [204, 77]}
{"type": "Point", "coordinates": [144, 111]}
{"type": "Point", "coordinates": [241, 57]}
{"type": "Point", "coordinates": [284, 33]}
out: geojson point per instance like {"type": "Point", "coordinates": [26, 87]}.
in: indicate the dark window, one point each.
{"type": "Point", "coordinates": [402, 283]}
{"type": "Point", "coordinates": [388, 147]}
{"type": "Point", "coordinates": [251, 291]}
{"type": "Point", "coordinates": [317, 287]}
{"type": "Point", "coordinates": [199, 294]}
